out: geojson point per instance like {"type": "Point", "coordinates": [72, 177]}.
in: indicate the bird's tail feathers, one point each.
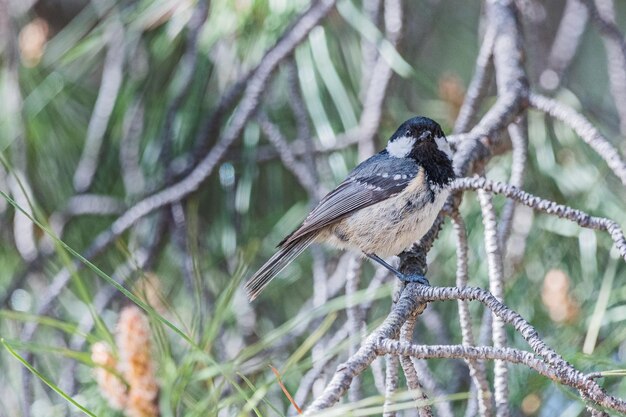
{"type": "Point", "coordinates": [275, 264]}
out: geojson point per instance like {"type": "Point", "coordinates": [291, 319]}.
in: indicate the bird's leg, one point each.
{"type": "Point", "coordinates": [420, 279]}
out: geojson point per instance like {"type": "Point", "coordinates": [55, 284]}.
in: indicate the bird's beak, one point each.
{"type": "Point", "coordinates": [424, 135]}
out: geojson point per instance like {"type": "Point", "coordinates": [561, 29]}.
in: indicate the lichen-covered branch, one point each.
{"type": "Point", "coordinates": [518, 131]}
{"type": "Point", "coordinates": [576, 379]}
{"type": "Point", "coordinates": [550, 207]}
{"type": "Point", "coordinates": [496, 286]}
{"type": "Point", "coordinates": [391, 383]}
{"type": "Point", "coordinates": [357, 363]}
{"type": "Point", "coordinates": [477, 368]}
{"type": "Point", "coordinates": [410, 373]}
{"type": "Point", "coordinates": [413, 299]}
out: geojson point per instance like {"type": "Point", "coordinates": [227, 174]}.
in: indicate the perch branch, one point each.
{"type": "Point", "coordinates": [357, 363]}
{"type": "Point", "coordinates": [588, 388]}
{"type": "Point", "coordinates": [413, 299]}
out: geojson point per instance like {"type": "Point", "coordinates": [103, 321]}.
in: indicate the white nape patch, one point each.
{"type": "Point", "coordinates": [400, 147]}
{"type": "Point", "coordinates": [443, 146]}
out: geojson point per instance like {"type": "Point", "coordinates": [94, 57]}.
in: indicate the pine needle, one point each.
{"type": "Point", "coordinates": [282, 386]}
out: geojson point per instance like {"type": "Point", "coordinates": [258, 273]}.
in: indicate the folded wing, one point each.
{"type": "Point", "coordinates": [383, 179]}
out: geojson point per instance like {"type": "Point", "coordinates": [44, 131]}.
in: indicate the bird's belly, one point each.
{"type": "Point", "coordinates": [389, 227]}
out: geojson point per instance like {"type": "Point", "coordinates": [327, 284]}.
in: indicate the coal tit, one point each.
{"type": "Point", "coordinates": [387, 203]}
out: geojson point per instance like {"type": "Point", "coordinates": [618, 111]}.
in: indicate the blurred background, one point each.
{"type": "Point", "coordinates": [106, 102]}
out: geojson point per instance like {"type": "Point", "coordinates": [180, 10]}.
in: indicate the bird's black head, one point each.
{"type": "Point", "coordinates": [418, 133]}
{"type": "Point", "coordinates": [422, 139]}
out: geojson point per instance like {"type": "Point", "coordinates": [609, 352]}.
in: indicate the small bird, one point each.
{"type": "Point", "coordinates": [386, 203]}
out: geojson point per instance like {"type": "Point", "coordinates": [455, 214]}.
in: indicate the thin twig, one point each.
{"type": "Point", "coordinates": [296, 102]}
{"type": "Point", "coordinates": [186, 71]}
{"type": "Point", "coordinates": [299, 170]}
{"type": "Point", "coordinates": [410, 373]}
{"type": "Point", "coordinates": [477, 368]}
{"type": "Point", "coordinates": [566, 43]}
{"type": "Point", "coordinates": [584, 129]}
{"type": "Point", "coordinates": [576, 379]}
{"type": "Point", "coordinates": [507, 354]}
{"type": "Point", "coordinates": [391, 382]}
{"type": "Point", "coordinates": [358, 362]}
{"type": "Point", "coordinates": [549, 207]}
{"type": "Point", "coordinates": [369, 52]}
{"type": "Point", "coordinates": [130, 152]}
{"type": "Point", "coordinates": [354, 318]}
{"type": "Point", "coordinates": [414, 296]}
{"type": "Point", "coordinates": [534, 17]}
{"type": "Point", "coordinates": [603, 16]}
{"type": "Point", "coordinates": [518, 132]}
{"type": "Point", "coordinates": [480, 83]}
{"type": "Point", "coordinates": [23, 230]}
{"type": "Point", "coordinates": [377, 370]}
{"type": "Point", "coordinates": [441, 405]}
{"type": "Point", "coordinates": [319, 367]}
{"type": "Point", "coordinates": [496, 286]}
{"type": "Point", "coordinates": [302, 147]}
{"type": "Point", "coordinates": [378, 82]}
{"type": "Point", "coordinates": [103, 108]}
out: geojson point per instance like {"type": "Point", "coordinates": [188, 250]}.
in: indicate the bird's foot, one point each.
{"type": "Point", "coordinates": [419, 279]}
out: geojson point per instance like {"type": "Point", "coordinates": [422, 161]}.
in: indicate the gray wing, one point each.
{"type": "Point", "coordinates": [373, 181]}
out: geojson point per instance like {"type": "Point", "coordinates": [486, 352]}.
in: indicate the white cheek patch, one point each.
{"type": "Point", "coordinates": [400, 147]}
{"type": "Point", "coordinates": [443, 146]}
